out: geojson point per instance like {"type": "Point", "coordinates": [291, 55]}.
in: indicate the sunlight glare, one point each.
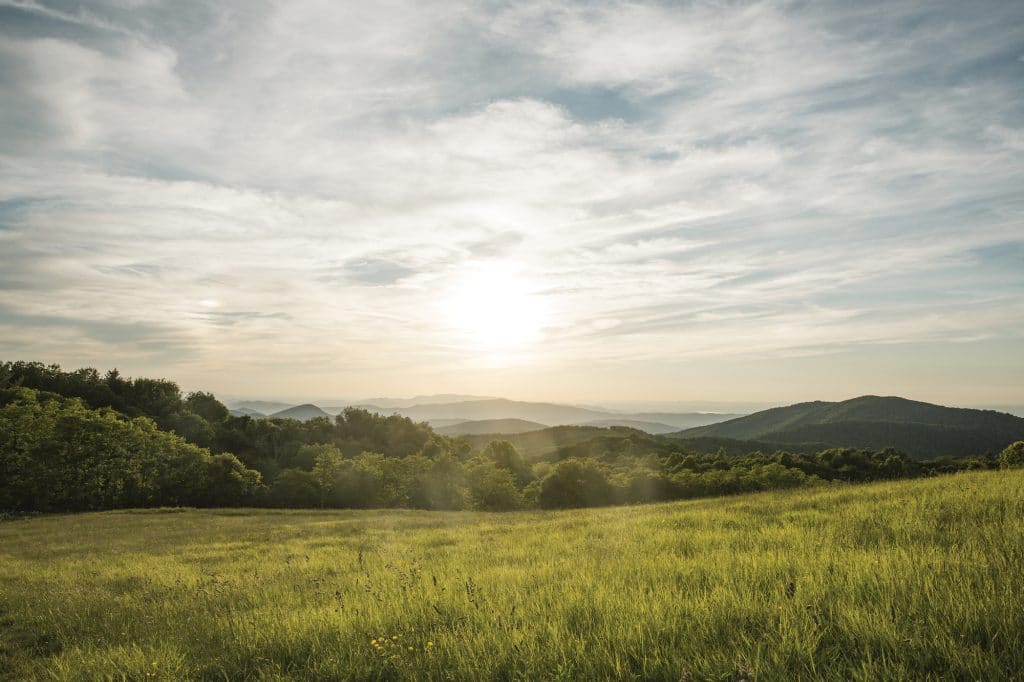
{"type": "Point", "coordinates": [492, 307]}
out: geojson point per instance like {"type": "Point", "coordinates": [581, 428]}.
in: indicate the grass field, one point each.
{"type": "Point", "coordinates": [913, 580]}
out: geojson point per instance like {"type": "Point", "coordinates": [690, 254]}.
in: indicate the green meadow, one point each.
{"type": "Point", "coordinates": [921, 579]}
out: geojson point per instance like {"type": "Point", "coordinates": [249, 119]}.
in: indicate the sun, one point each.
{"type": "Point", "coordinates": [491, 306]}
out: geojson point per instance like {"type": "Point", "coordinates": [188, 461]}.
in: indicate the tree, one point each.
{"type": "Point", "coordinates": [505, 456]}
{"type": "Point", "coordinates": [493, 488]}
{"type": "Point", "coordinates": [294, 488]}
{"type": "Point", "coordinates": [644, 484]}
{"type": "Point", "coordinates": [328, 468]}
{"type": "Point", "coordinates": [156, 398]}
{"type": "Point", "coordinates": [1012, 456]}
{"type": "Point", "coordinates": [361, 482]}
{"type": "Point", "coordinates": [56, 454]}
{"type": "Point", "coordinates": [228, 483]}
{"type": "Point", "coordinates": [191, 427]}
{"type": "Point", "coordinates": [575, 483]}
{"type": "Point", "coordinates": [207, 407]}
{"type": "Point", "coordinates": [443, 486]}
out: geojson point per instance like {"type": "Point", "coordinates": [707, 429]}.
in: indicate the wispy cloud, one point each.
{"type": "Point", "coordinates": [286, 197]}
{"type": "Point", "coordinates": [80, 17]}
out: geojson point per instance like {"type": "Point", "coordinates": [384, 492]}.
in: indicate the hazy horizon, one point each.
{"type": "Point", "coordinates": [593, 203]}
{"type": "Point", "coordinates": [624, 406]}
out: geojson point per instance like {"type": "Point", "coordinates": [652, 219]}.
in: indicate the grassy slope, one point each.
{"type": "Point", "coordinates": [910, 580]}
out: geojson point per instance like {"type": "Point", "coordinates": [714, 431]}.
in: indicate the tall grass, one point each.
{"type": "Point", "coordinates": [912, 580]}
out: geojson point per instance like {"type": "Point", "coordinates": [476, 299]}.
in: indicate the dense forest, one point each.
{"type": "Point", "coordinates": [82, 440]}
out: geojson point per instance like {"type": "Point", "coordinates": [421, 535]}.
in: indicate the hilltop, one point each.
{"type": "Point", "coordinates": [920, 429]}
{"type": "Point", "coordinates": [300, 412]}
{"type": "Point", "coordinates": [488, 426]}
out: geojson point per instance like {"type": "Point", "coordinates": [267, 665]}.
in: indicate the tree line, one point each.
{"type": "Point", "coordinates": [79, 440]}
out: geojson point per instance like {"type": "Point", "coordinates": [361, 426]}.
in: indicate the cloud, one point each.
{"type": "Point", "coordinates": [376, 271]}
{"type": "Point", "coordinates": [80, 17]}
{"type": "Point", "coordinates": [679, 183]}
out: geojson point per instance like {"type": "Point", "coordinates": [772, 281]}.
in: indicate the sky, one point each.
{"type": "Point", "coordinates": [580, 202]}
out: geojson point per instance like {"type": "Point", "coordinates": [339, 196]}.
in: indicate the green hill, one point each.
{"type": "Point", "coordinates": [496, 427]}
{"type": "Point", "coordinates": [545, 441]}
{"type": "Point", "coordinates": [301, 412]}
{"type": "Point", "coordinates": [560, 442]}
{"type": "Point", "coordinates": [735, 447]}
{"type": "Point", "coordinates": [917, 428]}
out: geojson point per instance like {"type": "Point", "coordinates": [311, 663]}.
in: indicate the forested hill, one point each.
{"type": "Point", "coordinates": [300, 412]}
{"type": "Point", "coordinates": [917, 428]}
{"type": "Point", "coordinates": [489, 426]}
{"type": "Point", "coordinates": [560, 442]}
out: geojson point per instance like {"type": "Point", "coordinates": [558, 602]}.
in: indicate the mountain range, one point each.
{"type": "Point", "coordinates": [474, 415]}
{"type": "Point", "coordinates": [548, 414]}
{"type": "Point", "coordinates": [871, 422]}
{"type": "Point", "coordinates": [436, 399]}
{"type": "Point", "coordinates": [515, 426]}
{"type": "Point", "coordinates": [258, 408]}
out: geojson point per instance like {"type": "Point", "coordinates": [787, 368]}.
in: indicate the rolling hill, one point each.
{"type": "Point", "coordinates": [681, 420]}
{"type": "Point", "coordinates": [489, 426]}
{"type": "Point", "coordinates": [495, 408]}
{"type": "Point", "coordinates": [648, 427]}
{"type": "Point", "coordinates": [443, 411]}
{"type": "Point", "coordinates": [545, 441]}
{"type": "Point", "coordinates": [546, 413]}
{"type": "Point", "coordinates": [247, 412]}
{"type": "Point", "coordinates": [300, 412]}
{"type": "Point", "coordinates": [917, 428]}
{"type": "Point", "coordinates": [558, 442]}
{"type": "Point", "coordinates": [263, 407]}
{"type": "Point", "coordinates": [435, 399]}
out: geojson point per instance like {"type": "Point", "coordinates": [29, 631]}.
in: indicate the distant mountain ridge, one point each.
{"type": "Point", "coordinates": [434, 399]}
{"type": "Point", "coordinates": [246, 412]}
{"type": "Point", "coordinates": [917, 428]}
{"type": "Point", "coordinates": [489, 426]}
{"type": "Point", "coordinates": [442, 415]}
{"type": "Point", "coordinates": [493, 408]}
{"type": "Point", "coordinates": [645, 426]}
{"type": "Point", "coordinates": [300, 412]}
{"type": "Point", "coordinates": [263, 407]}
{"type": "Point", "coordinates": [681, 420]}
{"type": "Point", "coordinates": [547, 414]}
